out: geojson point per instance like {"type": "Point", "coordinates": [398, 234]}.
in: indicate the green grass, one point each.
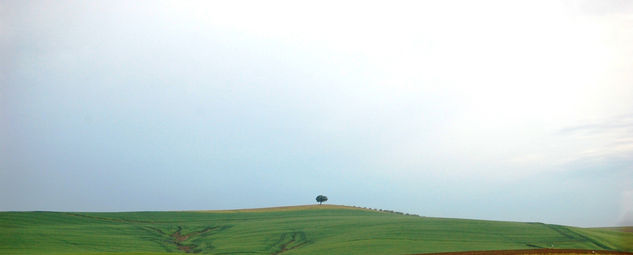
{"type": "Point", "coordinates": [291, 230]}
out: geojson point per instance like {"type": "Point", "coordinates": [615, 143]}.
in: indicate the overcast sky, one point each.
{"type": "Point", "coordinates": [502, 110]}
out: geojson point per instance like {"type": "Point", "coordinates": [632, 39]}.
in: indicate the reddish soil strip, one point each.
{"type": "Point", "coordinates": [178, 237]}
{"type": "Point", "coordinates": [529, 252]}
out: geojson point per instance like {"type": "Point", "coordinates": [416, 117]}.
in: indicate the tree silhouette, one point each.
{"type": "Point", "coordinates": [321, 199]}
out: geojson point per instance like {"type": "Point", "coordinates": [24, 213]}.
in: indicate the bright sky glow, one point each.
{"type": "Point", "coordinates": [500, 110]}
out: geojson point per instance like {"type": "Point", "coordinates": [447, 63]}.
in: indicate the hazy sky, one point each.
{"type": "Point", "coordinates": [503, 110]}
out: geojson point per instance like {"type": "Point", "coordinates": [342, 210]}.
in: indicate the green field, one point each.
{"type": "Point", "coordinates": [323, 229]}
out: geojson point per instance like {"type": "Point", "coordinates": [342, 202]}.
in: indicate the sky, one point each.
{"type": "Point", "coordinates": [498, 110]}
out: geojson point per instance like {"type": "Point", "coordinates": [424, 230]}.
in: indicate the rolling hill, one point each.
{"type": "Point", "coordinates": [313, 229]}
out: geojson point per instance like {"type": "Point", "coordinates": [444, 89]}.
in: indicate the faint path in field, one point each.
{"type": "Point", "coordinates": [577, 236]}
{"type": "Point", "coordinates": [177, 238]}
{"type": "Point", "coordinates": [513, 240]}
{"type": "Point", "coordinates": [289, 241]}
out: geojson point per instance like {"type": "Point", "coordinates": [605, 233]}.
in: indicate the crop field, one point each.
{"type": "Point", "coordinates": [326, 229]}
{"type": "Point", "coordinates": [533, 252]}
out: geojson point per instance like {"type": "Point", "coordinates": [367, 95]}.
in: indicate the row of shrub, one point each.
{"type": "Point", "coordinates": [387, 211]}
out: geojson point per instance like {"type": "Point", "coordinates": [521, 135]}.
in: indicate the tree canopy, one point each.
{"type": "Point", "coordinates": [321, 199]}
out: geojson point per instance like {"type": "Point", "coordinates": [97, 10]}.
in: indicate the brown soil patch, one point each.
{"type": "Point", "coordinates": [178, 238]}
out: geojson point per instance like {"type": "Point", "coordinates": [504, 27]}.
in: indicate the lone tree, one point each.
{"type": "Point", "coordinates": [321, 199]}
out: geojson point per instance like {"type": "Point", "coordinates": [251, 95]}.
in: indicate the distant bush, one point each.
{"type": "Point", "coordinates": [390, 211]}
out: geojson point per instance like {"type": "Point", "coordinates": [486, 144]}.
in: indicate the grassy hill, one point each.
{"type": "Point", "coordinates": [327, 229]}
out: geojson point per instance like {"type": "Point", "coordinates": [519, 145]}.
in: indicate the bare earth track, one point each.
{"type": "Point", "coordinates": [178, 238]}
